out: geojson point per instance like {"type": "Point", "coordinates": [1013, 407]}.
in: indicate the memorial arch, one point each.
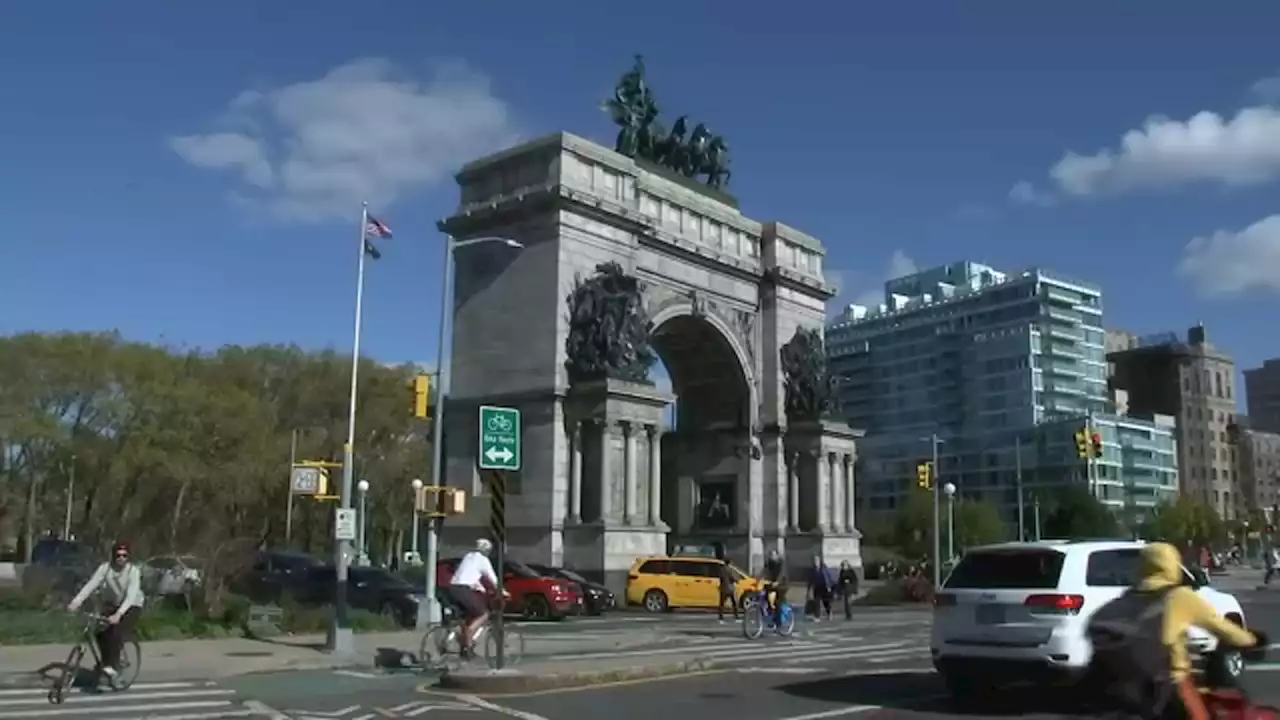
{"type": "Point", "coordinates": [718, 296]}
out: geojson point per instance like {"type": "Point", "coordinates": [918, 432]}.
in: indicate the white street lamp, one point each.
{"type": "Point", "coordinates": [417, 490]}
{"type": "Point", "coordinates": [430, 607]}
{"type": "Point", "coordinates": [363, 487]}
{"type": "Point", "coordinates": [950, 491]}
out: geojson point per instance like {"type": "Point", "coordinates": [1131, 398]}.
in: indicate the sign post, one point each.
{"type": "Point", "coordinates": [498, 452]}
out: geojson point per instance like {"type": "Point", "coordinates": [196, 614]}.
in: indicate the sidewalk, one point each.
{"type": "Point", "coordinates": [171, 660]}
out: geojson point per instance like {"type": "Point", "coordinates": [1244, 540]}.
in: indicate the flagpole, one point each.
{"type": "Point", "coordinates": [340, 641]}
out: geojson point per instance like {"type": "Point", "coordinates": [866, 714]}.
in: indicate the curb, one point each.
{"type": "Point", "coordinates": [515, 682]}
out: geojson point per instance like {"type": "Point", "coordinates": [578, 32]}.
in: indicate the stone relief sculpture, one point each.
{"type": "Point", "coordinates": [609, 328]}
{"type": "Point", "coordinates": [810, 388]}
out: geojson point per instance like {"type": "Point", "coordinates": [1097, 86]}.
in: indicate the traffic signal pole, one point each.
{"type": "Point", "coordinates": [937, 511]}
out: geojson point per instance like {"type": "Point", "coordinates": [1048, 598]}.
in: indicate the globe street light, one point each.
{"type": "Point", "coordinates": [363, 487]}
{"type": "Point", "coordinates": [950, 491]}
{"type": "Point", "coordinates": [417, 490]}
{"type": "Point", "coordinates": [431, 608]}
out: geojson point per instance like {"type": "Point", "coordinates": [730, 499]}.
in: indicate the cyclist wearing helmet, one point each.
{"type": "Point", "coordinates": [121, 581]}
{"type": "Point", "coordinates": [472, 583]}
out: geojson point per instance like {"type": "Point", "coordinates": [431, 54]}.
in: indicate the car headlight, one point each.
{"type": "Point", "coordinates": [555, 588]}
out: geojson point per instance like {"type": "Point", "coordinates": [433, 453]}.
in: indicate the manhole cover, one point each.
{"type": "Point", "coordinates": [249, 653]}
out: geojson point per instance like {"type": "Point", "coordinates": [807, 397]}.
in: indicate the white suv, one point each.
{"type": "Point", "coordinates": [1017, 611]}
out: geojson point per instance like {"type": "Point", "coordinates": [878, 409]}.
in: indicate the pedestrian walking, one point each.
{"type": "Point", "coordinates": [1270, 556]}
{"type": "Point", "coordinates": [848, 583]}
{"type": "Point", "coordinates": [821, 588]}
{"type": "Point", "coordinates": [728, 587]}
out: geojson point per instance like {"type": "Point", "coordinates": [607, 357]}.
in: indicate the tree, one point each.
{"type": "Point", "coordinates": [977, 522]}
{"type": "Point", "coordinates": [1185, 523]}
{"type": "Point", "coordinates": [1071, 511]}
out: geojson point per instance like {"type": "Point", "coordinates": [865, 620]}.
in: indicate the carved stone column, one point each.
{"type": "Point", "coordinates": [824, 492]}
{"type": "Point", "coordinates": [850, 523]}
{"type": "Point", "coordinates": [628, 473]}
{"type": "Point", "coordinates": [835, 484]}
{"type": "Point", "coordinates": [575, 473]}
{"type": "Point", "coordinates": [793, 493]}
{"type": "Point", "coordinates": [606, 471]}
{"type": "Point", "coordinates": [655, 474]}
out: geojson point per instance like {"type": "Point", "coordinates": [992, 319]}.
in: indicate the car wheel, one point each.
{"type": "Point", "coordinates": [536, 607]}
{"type": "Point", "coordinates": [655, 601]}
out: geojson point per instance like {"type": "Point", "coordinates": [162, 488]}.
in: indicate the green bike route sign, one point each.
{"type": "Point", "coordinates": [499, 447]}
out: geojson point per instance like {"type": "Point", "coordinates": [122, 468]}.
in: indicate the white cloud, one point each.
{"type": "Point", "coordinates": [1243, 150]}
{"type": "Point", "coordinates": [1229, 263]}
{"type": "Point", "coordinates": [316, 149]}
{"type": "Point", "coordinates": [866, 288]}
{"type": "Point", "coordinates": [1266, 90]}
{"type": "Point", "coordinates": [1024, 193]}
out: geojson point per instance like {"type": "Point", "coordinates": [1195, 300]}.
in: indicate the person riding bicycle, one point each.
{"type": "Point", "coordinates": [1140, 640]}
{"type": "Point", "coordinates": [469, 589]}
{"type": "Point", "coordinates": [774, 580]}
{"type": "Point", "coordinates": [121, 582]}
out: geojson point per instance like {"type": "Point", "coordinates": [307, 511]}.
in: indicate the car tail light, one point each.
{"type": "Point", "coordinates": [1063, 603]}
{"type": "Point", "coordinates": [944, 600]}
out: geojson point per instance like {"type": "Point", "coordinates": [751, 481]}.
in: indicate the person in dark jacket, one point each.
{"type": "Point", "coordinates": [728, 589]}
{"type": "Point", "coordinates": [775, 583]}
{"type": "Point", "coordinates": [820, 588]}
{"type": "Point", "coordinates": [848, 582]}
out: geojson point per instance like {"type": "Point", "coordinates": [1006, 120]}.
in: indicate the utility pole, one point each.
{"type": "Point", "coordinates": [937, 511]}
{"type": "Point", "coordinates": [288, 513]}
{"type": "Point", "coordinates": [71, 494]}
{"type": "Point", "coordinates": [1035, 506]}
{"type": "Point", "coordinates": [1017, 470]}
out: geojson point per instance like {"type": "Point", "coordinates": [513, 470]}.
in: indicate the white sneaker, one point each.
{"type": "Point", "coordinates": [109, 671]}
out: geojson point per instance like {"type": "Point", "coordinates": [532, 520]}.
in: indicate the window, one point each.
{"type": "Point", "coordinates": [656, 567]}
{"type": "Point", "coordinates": [688, 568]}
{"type": "Point", "coordinates": [1112, 568]}
{"type": "Point", "coordinates": [1008, 569]}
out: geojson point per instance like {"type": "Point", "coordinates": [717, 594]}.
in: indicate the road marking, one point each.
{"type": "Point", "coordinates": [1262, 667]}
{"type": "Point", "coordinates": [485, 704]}
{"type": "Point", "coordinates": [856, 709]}
{"type": "Point", "coordinates": [101, 709]}
{"type": "Point", "coordinates": [779, 670]}
{"type": "Point", "coordinates": [692, 648]}
{"type": "Point", "coordinates": [358, 674]}
{"type": "Point", "coordinates": [75, 698]}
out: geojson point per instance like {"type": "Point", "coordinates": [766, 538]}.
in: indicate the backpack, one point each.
{"type": "Point", "coordinates": [1130, 663]}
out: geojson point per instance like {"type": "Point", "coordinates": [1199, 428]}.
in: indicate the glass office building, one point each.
{"type": "Point", "coordinates": [1004, 369]}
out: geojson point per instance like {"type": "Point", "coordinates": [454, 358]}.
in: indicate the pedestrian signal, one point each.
{"type": "Point", "coordinates": [924, 475]}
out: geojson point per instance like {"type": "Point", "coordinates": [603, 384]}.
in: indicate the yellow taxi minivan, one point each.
{"type": "Point", "coordinates": [665, 583]}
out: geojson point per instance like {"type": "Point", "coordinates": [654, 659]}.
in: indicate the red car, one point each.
{"type": "Point", "coordinates": [533, 596]}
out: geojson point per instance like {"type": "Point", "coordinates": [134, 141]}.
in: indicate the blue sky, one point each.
{"type": "Point", "coordinates": [192, 171]}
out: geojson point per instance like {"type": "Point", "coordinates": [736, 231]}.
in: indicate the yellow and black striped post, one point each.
{"type": "Point", "coordinates": [498, 529]}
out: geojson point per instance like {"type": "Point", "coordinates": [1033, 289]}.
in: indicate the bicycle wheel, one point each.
{"type": "Point", "coordinates": [67, 679]}
{"type": "Point", "coordinates": [512, 647]}
{"type": "Point", "coordinates": [129, 667]}
{"type": "Point", "coordinates": [753, 622]}
{"type": "Point", "coordinates": [440, 648]}
{"type": "Point", "coordinates": [788, 625]}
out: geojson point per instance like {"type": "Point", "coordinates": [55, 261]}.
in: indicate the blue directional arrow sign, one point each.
{"type": "Point", "coordinates": [499, 438]}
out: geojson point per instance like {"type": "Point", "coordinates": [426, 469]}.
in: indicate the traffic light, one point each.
{"type": "Point", "coordinates": [1083, 448]}
{"type": "Point", "coordinates": [421, 395]}
{"type": "Point", "coordinates": [924, 475]}
{"type": "Point", "coordinates": [1095, 443]}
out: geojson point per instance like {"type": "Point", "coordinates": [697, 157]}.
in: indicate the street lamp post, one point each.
{"type": "Point", "coordinates": [363, 529]}
{"type": "Point", "coordinates": [1035, 509]}
{"type": "Point", "coordinates": [413, 540]}
{"type": "Point", "coordinates": [431, 607]}
{"type": "Point", "coordinates": [950, 491]}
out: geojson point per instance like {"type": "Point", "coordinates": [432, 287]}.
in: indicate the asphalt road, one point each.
{"type": "Point", "coordinates": [874, 666]}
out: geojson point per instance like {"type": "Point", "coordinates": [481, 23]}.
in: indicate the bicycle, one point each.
{"type": "Point", "coordinates": [126, 671]}
{"type": "Point", "coordinates": [757, 616]}
{"type": "Point", "coordinates": [442, 644]}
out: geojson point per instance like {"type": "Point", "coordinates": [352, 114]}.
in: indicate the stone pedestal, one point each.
{"type": "Point", "coordinates": [820, 493]}
{"type": "Point", "coordinates": [615, 489]}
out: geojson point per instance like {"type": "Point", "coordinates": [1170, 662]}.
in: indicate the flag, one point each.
{"type": "Point", "coordinates": [376, 228]}
{"type": "Point", "coordinates": [372, 251]}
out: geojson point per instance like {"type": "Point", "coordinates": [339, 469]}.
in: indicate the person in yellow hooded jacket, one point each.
{"type": "Point", "coordinates": [1161, 569]}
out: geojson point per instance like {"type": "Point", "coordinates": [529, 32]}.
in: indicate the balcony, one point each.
{"type": "Point", "coordinates": [1065, 389]}
{"type": "Point", "coordinates": [1058, 314]}
{"type": "Point", "coordinates": [1062, 296]}
{"type": "Point", "coordinates": [1068, 334]}
{"type": "Point", "coordinates": [1061, 370]}
{"type": "Point", "coordinates": [1064, 351]}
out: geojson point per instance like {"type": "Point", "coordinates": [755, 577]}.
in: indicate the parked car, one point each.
{"type": "Point", "coordinates": [596, 598]}
{"type": "Point", "coordinates": [274, 573]}
{"type": "Point", "coordinates": [532, 595]}
{"type": "Point", "coordinates": [166, 575]}
{"type": "Point", "coordinates": [372, 589]}
{"type": "Point", "coordinates": [59, 567]}
{"type": "Point", "coordinates": [664, 583]}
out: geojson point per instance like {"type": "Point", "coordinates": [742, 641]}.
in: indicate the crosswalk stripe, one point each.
{"type": "Point", "coordinates": [134, 688]}
{"type": "Point", "coordinates": [75, 698]}
{"type": "Point", "coordinates": [743, 645]}
{"type": "Point", "coordinates": [101, 710]}
{"type": "Point", "coordinates": [851, 653]}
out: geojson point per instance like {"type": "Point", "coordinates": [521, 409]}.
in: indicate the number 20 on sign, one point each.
{"type": "Point", "coordinates": [499, 446]}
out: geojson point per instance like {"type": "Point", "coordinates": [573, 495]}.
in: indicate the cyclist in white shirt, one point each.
{"type": "Point", "coordinates": [472, 584]}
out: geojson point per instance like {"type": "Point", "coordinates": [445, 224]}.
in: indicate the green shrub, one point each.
{"type": "Point", "coordinates": [899, 591]}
